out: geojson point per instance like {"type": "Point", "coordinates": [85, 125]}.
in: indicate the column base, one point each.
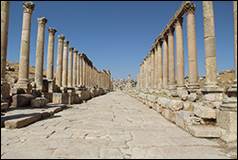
{"type": "Point", "coordinates": [23, 84]}
{"type": "Point", "coordinates": [212, 88]}
{"type": "Point", "coordinates": [5, 91]}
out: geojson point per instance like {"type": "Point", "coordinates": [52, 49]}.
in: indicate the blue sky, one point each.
{"type": "Point", "coordinates": [118, 35]}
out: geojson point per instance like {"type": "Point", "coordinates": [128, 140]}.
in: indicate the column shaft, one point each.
{"type": "Point", "coordinates": [23, 74]}
{"type": "Point", "coordinates": [165, 63]}
{"type": "Point", "coordinates": [78, 69]}
{"type": "Point", "coordinates": [50, 56]}
{"type": "Point", "coordinates": [75, 68]}
{"type": "Point", "coordinates": [4, 36]}
{"type": "Point", "coordinates": [192, 49]}
{"type": "Point", "coordinates": [65, 64]}
{"type": "Point", "coordinates": [171, 59]}
{"type": "Point", "coordinates": [59, 61]}
{"type": "Point", "coordinates": [180, 53]}
{"type": "Point", "coordinates": [160, 65]}
{"type": "Point", "coordinates": [70, 68]}
{"type": "Point", "coordinates": [40, 53]}
{"type": "Point", "coordinates": [235, 37]}
{"type": "Point", "coordinates": [209, 43]}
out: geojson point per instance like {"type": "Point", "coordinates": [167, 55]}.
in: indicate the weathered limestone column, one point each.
{"type": "Point", "coordinates": [146, 73]}
{"type": "Point", "coordinates": [81, 70]}
{"type": "Point", "coordinates": [210, 44]}
{"type": "Point", "coordinates": [235, 39]}
{"type": "Point", "coordinates": [40, 53]}
{"type": "Point", "coordinates": [50, 56]}
{"type": "Point", "coordinates": [152, 69]}
{"type": "Point", "coordinates": [78, 69]}
{"type": "Point", "coordinates": [4, 37]}
{"type": "Point", "coordinates": [165, 63]}
{"type": "Point", "coordinates": [23, 76]}
{"type": "Point", "coordinates": [180, 53]}
{"type": "Point", "coordinates": [70, 68]}
{"type": "Point", "coordinates": [156, 68]}
{"type": "Point", "coordinates": [192, 49]}
{"type": "Point", "coordinates": [160, 65]}
{"type": "Point", "coordinates": [59, 61]}
{"type": "Point", "coordinates": [75, 68]}
{"type": "Point", "coordinates": [84, 71]}
{"type": "Point", "coordinates": [171, 58]}
{"type": "Point", "coordinates": [65, 64]}
{"type": "Point", "coordinates": [5, 86]}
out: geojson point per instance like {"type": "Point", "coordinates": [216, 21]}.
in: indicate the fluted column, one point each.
{"type": "Point", "coordinates": [160, 65]}
{"type": "Point", "coordinates": [180, 53]}
{"type": "Point", "coordinates": [165, 63]}
{"type": "Point", "coordinates": [23, 74]}
{"type": "Point", "coordinates": [192, 49]}
{"type": "Point", "coordinates": [40, 53]}
{"type": "Point", "coordinates": [171, 58]}
{"type": "Point", "coordinates": [75, 68]}
{"type": "Point", "coordinates": [65, 64]}
{"type": "Point", "coordinates": [78, 69]}
{"type": "Point", "coordinates": [235, 38]}
{"type": "Point", "coordinates": [59, 61]}
{"type": "Point", "coordinates": [50, 56]}
{"type": "Point", "coordinates": [210, 44]}
{"type": "Point", "coordinates": [70, 67]}
{"type": "Point", "coordinates": [4, 37]}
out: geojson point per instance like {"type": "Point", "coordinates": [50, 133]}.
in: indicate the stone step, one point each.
{"type": "Point", "coordinates": [205, 131]}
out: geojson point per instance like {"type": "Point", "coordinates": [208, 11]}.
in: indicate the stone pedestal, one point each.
{"type": "Point", "coordinates": [71, 95]}
{"type": "Point", "coordinates": [60, 98]}
{"type": "Point", "coordinates": [5, 91]}
{"type": "Point", "coordinates": [227, 116]}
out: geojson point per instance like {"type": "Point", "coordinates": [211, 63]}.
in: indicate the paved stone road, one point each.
{"type": "Point", "coordinates": [110, 126]}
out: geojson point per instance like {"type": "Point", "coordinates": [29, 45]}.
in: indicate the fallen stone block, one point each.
{"type": "Point", "coordinates": [204, 111]}
{"type": "Point", "coordinates": [170, 115]}
{"type": "Point", "coordinates": [205, 131]}
{"type": "Point", "coordinates": [193, 97]}
{"type": "Point", "coordinates": [22, 100]}
{"type": "Point", "coordinates": [213, 97]}
{"type": "Point", "coordinates": [38, 102]}
{"type": "Point", "coordinates": [22, 122]}
{"type": "Point", "coordinates": [183, 118]}
{"type": "Point", "coordinates": [176, 106]}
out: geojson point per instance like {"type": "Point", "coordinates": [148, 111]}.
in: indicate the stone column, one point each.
{"type": "Point", "coordinates": [59, 61]}
{"type": "Point", "coordinates": [171, 58]}
{"type": "Point", "coordinates": [81, 70]}
{"type": "Point", "coordinates": [235, 40]}
{"type": "Point", "coordinates": [50, 56]}
{"type": "Point", "coordinates": [210, 44]}
{"type": "Point", "coordinates": [70, 67]}
{"type": "Point", "coordinates": [4, 37]}
{"type": "Point", "coordinates": [65, 64]}
{"type": "Point", "coordinates": [155, 68]}
{"type": "Point", "coordinates": [180, 53]}
{"type": "Point", "coordinates": [165, 63]}
{"type": "Point", "coordinates": [23, 74]}
{"type": "Point", "coordinates": [152, 69]}
{"type": "Point", "coordinates": [84, 71]}
{"type": "Point", "coordinates": [160, 65]}
{"type": "Point", "coordinates": [192, 49]}
{"type": "Point", "coordinates": [40, 53]}
{"type": "Point", "coordinates": [75, 68]}
{"type": "Point", "coordinates": [78, 69]}
{"type": "Point", "coordinates": [146, 73]}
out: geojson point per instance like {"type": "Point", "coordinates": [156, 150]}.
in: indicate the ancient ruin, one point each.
{"type": "Point", "coordinates": [76, 80]}
{"type": "Point", "coordinates": [200, 110]}
{"type": "Point", "coordinates": [74, 110]}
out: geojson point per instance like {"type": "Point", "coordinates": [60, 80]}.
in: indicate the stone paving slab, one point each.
{"type": "Point", "coordinates": [110, 126]}
{"type": "Point", "coordinates": [18, 118]}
